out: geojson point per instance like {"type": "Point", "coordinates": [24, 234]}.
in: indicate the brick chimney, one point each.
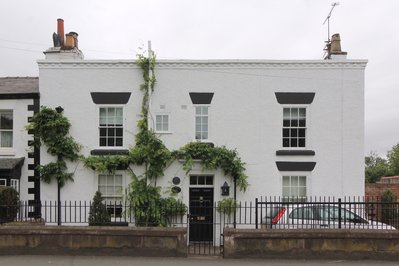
{"type": "Point", "coordinates": [334, 48]}
{"type": "Point", "coordinates": [64, 48]}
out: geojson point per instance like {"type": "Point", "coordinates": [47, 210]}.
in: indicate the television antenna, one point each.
{"type": "Point", "coordinates": [328, 20]}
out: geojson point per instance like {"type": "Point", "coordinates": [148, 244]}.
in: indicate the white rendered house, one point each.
{"type": "Point", "coordinates": [297, 124]}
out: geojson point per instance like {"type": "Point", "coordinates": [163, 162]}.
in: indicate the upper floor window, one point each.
{"type": "Point", "coordinates": [162, 123]}
{"type": "Point", "coordinates": [294, 127]}
{"type": "Point", "coordinates": [111, 126]}
{"type": "Point", "coordinates": [201, 123]}
{"type": "Point", "coordinates": [6, 127]}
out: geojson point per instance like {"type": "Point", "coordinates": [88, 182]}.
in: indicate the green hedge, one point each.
{"type": "Point", "coordinates": [9, 199]}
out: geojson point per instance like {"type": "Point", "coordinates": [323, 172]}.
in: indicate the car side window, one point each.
{"type": "Point", "coordinates": [305, 213]}
{"type": "Point", "coordinates": [331, 213]}
{"type": "Point", "coordinates": [327, 213]}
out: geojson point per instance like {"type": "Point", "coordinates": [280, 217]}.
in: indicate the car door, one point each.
{"type": "Point", "coordinates": [303, 217]}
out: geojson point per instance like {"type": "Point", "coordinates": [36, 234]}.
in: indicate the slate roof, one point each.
{"type": "Point", "coordinates": [10, 163]}
{"type": "Point", "coordinates": [19, 85]}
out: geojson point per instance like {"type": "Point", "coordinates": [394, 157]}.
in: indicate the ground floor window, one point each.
{"type": "Point", "coordinates": [201, 180]}
{"type": "Point", "coordinates": [15, 184]}
{"type": "Point", "coordinates": [3, 182]}
{"type": "Point", "coordinates": [111, 188]}
{"type": "Point", "coordinates": [294, 188]}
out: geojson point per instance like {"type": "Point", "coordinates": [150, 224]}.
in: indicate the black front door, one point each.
{"type": "Point", "coordinates": [201, 214]}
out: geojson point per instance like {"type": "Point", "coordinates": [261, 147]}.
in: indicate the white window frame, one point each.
{"type": "Point", "coordinates": [208, 123]}
{"type": "Point", "coordinates": [202, 185]}
{"type": "Point", "coordinates": [15, 184]}
{"type": "Point", "coordinates": [7, 130]}
{"type": "Point", "coordinates": [307, 112]}
{"type": "Point", "coordinates": [99, 126]}
{"type": "Point", "coordinates": [294, 196]}
{"type": "Point", "coordinates": [1, 182]}
{"type": "Point", "coordinates": [112, 201]}
{"type": "Point", "coordinates": [162, 130]}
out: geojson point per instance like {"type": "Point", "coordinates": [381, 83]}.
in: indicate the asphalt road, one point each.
{"type": "Point", "coordinates": [141, 261]}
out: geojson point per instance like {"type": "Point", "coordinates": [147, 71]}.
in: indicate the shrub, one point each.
{"type": "Point", "coordinates": [98, 211]}
{"type": "Point", "coordinates": [227, 206]}
{"type": "Point", "coordinates": [9, 200]}
{"type": "Point", "coordinates": [389, 211]}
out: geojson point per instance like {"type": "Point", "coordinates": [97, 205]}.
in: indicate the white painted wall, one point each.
{"type": "Point", "coordinates": [20, 140]}
{"type": "Point", "coordinates": [244, 115]}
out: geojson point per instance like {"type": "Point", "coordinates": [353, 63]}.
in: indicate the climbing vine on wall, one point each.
{"type": "Point", "coordinates": [149, 149]}
{"type": "Point", "coordinates": [212, 158]}
{"type": "Point", "coordinates": [51, 128]}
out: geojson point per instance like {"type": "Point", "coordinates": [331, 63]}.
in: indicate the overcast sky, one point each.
{"type": "Point", "coordinates": [219, 29]}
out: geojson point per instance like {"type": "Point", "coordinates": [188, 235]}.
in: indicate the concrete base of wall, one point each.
{"type": "Point", "coordinates": [126, 241]}
{"type": "Point", "coordinates": [316, 244]}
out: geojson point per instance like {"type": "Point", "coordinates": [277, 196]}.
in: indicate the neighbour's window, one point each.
{"type": "Point", "coordinates": [162, 123]}
{"type": "Point", "coordinates": [6, 127]}
{"type": "Point", "coordinates": [111, 126]}
{"type": "Point", "coordinates": [111, 188]}
{"type": "Point", "coordinates": [3, 182]}
{"type": "Point", "coordinates": [294, 127]}
{"type": "Point", "coordinates": [201, 122]}
{"type": "Point", "coordinates": [294, 188]}
{"type": "Point", "coordinates": [15, 184]}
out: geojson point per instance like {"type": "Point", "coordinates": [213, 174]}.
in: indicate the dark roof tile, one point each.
{"type": "Point", "coordinates": [19, 85]}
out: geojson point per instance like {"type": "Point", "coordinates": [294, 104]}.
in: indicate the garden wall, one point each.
{"type": "Point", "coordinates": [126, 241]}
{"type": "Point", "coordinates": [315, 244]}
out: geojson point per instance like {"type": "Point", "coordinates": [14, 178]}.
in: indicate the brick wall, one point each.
{"type": "Point", "coordinates": [376, 189]}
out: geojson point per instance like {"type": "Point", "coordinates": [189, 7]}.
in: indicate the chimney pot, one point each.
{"type": "Point", "coordinates": [60, 30]}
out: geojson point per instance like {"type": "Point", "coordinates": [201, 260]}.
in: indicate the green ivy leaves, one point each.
{"type": "Point", "coordinates": [51, 128]}
{"type": "Point", "coordinates": [212, 158]}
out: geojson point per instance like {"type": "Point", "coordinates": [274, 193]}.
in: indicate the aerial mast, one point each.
{"type": "Point", "coordinates": [328, 42]}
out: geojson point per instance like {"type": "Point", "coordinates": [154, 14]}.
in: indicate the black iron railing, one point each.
{"type": "Point", "coordinates": [326, 212]}
{"type": "Point", "coordinates": [266, 212]}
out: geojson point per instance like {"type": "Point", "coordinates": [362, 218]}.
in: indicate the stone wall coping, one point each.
{"type": "Point", "coordinates": [91, 230]}
{"type": "Point", "coordinates": [312, 234]}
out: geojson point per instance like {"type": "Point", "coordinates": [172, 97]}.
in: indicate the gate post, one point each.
{"type": "Point", "coordinates": [256, 213]}
{"type": "Point", "coordinates": [339, 213]}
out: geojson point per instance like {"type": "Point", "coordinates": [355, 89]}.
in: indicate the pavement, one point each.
{"type": "Point", "coordinates": [37, 260]}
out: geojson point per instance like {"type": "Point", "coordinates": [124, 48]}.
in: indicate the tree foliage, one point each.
{"type": "Point", "coordinates": [393, 160]}
{"type": "Point", "coordinates": [377, 167]}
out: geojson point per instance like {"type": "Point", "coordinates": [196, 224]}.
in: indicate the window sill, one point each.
{"type": "Point", "coordinates": [108, 151]}
{"type": "Point", "coordinates": [164, 132]}
{"type": "Point", "coordinates": [7, 152]}
{"type": "Point", "coordinates": [295, 153]}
